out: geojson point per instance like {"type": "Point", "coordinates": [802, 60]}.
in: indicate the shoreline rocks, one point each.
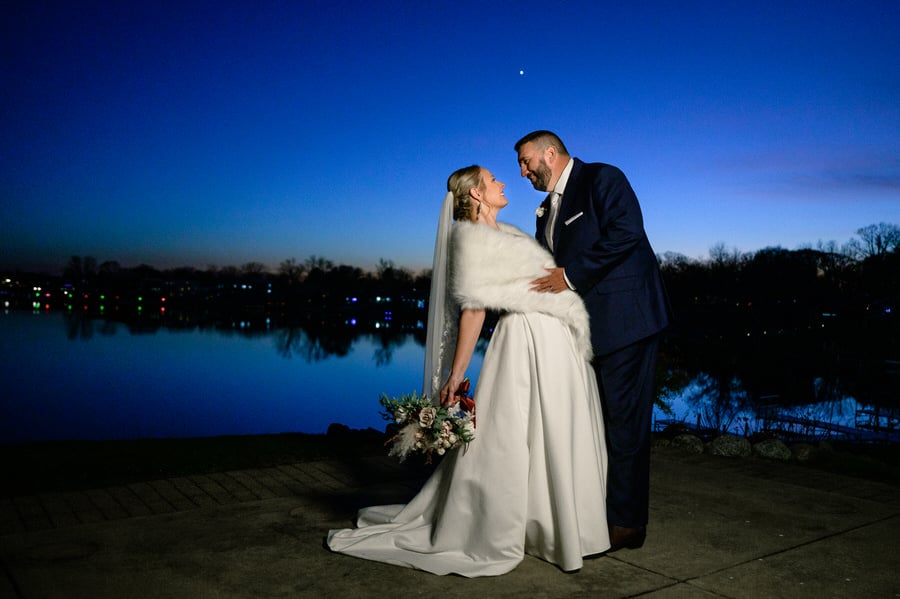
{"type": "Point", "coordinates": [734, 446]}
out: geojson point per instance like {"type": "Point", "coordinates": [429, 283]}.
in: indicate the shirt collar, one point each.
{"type": "Point", "coordinates": [564, 178]}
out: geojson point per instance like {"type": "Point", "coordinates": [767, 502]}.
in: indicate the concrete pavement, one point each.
{"type": "Point", "coordinates": [719, 528]}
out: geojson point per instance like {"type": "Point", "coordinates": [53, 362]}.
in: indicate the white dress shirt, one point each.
{"type": "Point", "coordinates": [555, 200]}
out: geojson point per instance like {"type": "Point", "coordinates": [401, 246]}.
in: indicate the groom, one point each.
{"type": "Point", "coordinates": [592, 223]}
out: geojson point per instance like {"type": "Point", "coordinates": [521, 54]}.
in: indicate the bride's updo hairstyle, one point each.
{"type": "Point", "coordinates": [460, 183]}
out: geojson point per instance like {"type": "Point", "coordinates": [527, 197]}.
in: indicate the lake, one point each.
{"type": "Point", "coordinates": [73, 377]}
{"type": "Point", "coordinates": [80, 378]}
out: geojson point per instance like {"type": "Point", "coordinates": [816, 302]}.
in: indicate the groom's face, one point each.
{"type": "Point", "coordinates": [533, 164]}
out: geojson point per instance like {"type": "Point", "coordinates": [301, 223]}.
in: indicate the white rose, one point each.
{"type": "Point", "coordinates": [426, 417]}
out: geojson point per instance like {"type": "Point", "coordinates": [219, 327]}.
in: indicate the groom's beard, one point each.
{"type": "Point", "coordinates": [542, 176]}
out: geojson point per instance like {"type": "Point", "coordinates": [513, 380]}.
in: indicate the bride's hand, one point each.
{"type": "Point", "coordinates": [447, 391]}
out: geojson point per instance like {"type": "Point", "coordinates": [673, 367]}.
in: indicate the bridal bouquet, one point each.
{"type": "Point", "coordinates": [426, 428]}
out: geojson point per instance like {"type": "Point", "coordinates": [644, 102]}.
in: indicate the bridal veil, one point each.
{"type": "Point", "coordinates": [440, 339]}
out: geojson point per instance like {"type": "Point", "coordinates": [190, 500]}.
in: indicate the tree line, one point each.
{"type": "Point", "coordinates": [730, 291]}
{"type": "Point", "coordinates": [778, 288]}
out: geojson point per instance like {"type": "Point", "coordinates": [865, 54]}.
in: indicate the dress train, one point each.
{"type": "Point", "coordinates": [533, 480]}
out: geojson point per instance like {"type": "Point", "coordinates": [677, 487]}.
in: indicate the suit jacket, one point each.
{"type": "Point", "coordinates": [601, 243]}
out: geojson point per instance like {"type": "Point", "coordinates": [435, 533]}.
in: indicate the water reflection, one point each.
{"type": "Point", "coordinates": [812, 383]}
{"type": "Point", "coordinates": [716, 404]}
{"type": "Point", "coordinates": [295, 342]}
{"type": "Point", "coordinates": [73, 376]}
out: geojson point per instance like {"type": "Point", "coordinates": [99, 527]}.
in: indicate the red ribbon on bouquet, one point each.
{"type": "Point", "coordinates": [467, 402]}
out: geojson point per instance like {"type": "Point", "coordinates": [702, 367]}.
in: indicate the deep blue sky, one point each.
{"type": "Point", "coordinates": [195, 133]}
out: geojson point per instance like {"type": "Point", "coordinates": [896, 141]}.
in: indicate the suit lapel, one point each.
{"type": "Point", "coordinates": [566, 205]}
{"type": "Point", "coordinates": [560, 217]}
{"type": "Point", "coordinates": [540, 227]}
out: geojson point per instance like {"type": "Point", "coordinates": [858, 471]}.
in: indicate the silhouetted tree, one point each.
{"type": "Point", "coordinates": [292, 271]}
{"type": "Point", "coordinates": [344, 279]}
{"type": "Point", "coordinates": [253, 268]}
{"type": "Point", "coordinates": [89, 266]}
{"type": "Point", "coordinates": [73, 269]}
{"type": "Point", "coordinates": [81, 271]}
{"type": "Point", "coordinates": [392, 278]}
{"type": "Point", "coordinates": [318, 263]}
{"type": "Point", "coordinates": [229, 272]}
{"type": "Point", "coordinates": [879, 240]}
{"type": "Point", "coordinates": [722, 257]}
{"type": "Point", "coordinates": [383, 267]}
{"type": "Point", "coordinates": [110, 268]}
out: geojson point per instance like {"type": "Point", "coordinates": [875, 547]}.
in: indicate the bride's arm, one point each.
{"type": "Point", "coordinates": [470, 323]}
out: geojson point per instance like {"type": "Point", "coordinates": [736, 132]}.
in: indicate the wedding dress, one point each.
{"type": "Point", "coordinates": [533, 480]}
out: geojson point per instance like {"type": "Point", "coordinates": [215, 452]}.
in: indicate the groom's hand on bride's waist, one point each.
{"type": "Point", "coordinates": [555, 282]}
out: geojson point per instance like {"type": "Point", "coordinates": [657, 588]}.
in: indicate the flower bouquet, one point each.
{"type": "Point", "coordinates": [426, 428]}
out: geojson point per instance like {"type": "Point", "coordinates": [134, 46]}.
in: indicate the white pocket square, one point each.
{"type": "Point", "coordinates": [573, 218]}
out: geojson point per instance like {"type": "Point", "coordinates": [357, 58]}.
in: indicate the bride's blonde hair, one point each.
{"type": "Point", "coordinates": [460, 183]}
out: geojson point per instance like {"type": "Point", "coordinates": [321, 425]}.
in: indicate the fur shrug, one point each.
{"type": "Point", "coordinates": [494, 269]}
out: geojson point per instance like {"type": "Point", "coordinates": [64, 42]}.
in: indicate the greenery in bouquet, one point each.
{"type": "Point", "coordinates": [425, 428]}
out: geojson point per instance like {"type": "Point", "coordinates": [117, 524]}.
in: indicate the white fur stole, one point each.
{"type": "Point", "coordinates": [494, 270]}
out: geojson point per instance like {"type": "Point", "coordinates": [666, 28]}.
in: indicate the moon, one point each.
{"type": "Point", "coordinates": [521, 72]}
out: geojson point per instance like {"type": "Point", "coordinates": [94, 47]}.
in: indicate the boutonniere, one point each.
{"type": "Point", "coordinates": [540, 211]}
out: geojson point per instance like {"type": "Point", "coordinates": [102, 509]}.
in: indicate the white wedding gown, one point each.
{"type": "Point", "coordinates": [533, 480]}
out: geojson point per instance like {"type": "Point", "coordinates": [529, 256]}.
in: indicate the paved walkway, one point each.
{"type": "Point", "coordinates": [719, 528]}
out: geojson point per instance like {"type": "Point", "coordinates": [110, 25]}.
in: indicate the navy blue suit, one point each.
{"type": "Point", "coordinates": [601, 243]}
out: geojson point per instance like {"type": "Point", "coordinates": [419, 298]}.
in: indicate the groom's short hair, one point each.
{"type": "Point", "coordinates": [542, 139]}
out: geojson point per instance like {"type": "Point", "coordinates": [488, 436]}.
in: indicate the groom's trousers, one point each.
{"type": "Point", "coordinates": [625, 378]}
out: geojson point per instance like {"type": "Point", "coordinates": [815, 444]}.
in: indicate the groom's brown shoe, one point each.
{"type": "Point", "coordinates": [621, 537]}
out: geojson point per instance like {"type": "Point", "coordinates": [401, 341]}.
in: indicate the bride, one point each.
{"type": "Point", "coordinates": [534, 479]}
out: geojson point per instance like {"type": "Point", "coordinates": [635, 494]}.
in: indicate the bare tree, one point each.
{"type": "Point", "coordinates": [253, 268]}
{"type": "Point", "coordinates": [721, 256]}
{"type": "Point", "coordinates": [292, 271]}
{"type": "Point", "coordinates": [674, 261]}
{"type": "Point", "coordinates": [833, 259]}
{"type": "Point", "coordinates": [384, 266]}
{"type": "Point", "coordinates": [317, 262]}
{"type": "Point", "coordinates": [878, 240]}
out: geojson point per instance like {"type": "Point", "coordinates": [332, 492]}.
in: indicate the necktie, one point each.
{"type": "Point", "coordinates": [551, 221]}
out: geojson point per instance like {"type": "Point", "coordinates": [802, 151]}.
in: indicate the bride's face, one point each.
{"type": "Point", "coordinates": [493, 190]}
